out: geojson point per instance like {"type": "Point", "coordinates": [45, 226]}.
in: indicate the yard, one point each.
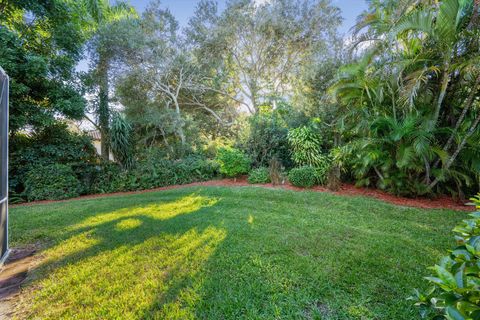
{"type": "Point", "coordinates": [228, 253]}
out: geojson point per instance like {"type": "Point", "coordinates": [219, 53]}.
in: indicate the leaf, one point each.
{"type": "Point", "coordinates": [446, 23]}
{"type": "Point", "coordinates": [453, 314]}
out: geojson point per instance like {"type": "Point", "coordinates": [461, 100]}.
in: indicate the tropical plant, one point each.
{"type": "Point", "coordinates": [409, 102]}
{"type": "Point", "coordinates": [306, 146]}
{"type": "Point", "coordinates": [121, 140]}
{"type": "Point", "coordinates": [455, 294]}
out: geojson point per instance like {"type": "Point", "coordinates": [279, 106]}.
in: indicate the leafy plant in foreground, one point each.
{"type": "Point", "coordinates": [455, 294]}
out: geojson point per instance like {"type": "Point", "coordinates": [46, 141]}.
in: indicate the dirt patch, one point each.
{"type": "Point", "coordinates": [12, 275]}
{"type": "Point", "coordinates": [443, 202]}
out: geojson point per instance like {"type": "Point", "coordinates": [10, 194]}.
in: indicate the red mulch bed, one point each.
{"type": "Point", "coordinates": [442, 202]}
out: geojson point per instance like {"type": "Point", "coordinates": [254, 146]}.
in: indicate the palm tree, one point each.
{"type": "Point", "coordinates": [421, 67]}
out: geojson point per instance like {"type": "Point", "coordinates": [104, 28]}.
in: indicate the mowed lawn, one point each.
{"type": "Point", "coordinates": [228, 253]}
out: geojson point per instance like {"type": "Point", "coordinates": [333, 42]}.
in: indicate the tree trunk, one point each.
{"type": "Point", "coordinates": [443, 92]}
{"type": "Point", "coordinates": [103, 108]}
{"type": "Point", "coordinates": [180, 132]}
{"type": "Point", "coordinates": [464, 113]}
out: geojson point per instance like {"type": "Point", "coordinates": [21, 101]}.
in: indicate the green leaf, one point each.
{"type": "Point", "coordinates": [453, 314]}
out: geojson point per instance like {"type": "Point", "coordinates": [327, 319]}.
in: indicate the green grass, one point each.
{"type": "Point", "coordinates": [229, 253]}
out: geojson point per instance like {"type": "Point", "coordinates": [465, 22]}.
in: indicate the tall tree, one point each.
{"type": "Point", "coordinates": [262, 49]}
{"type": "Point", "coordinates": [111, 27]}
{"type": "Point", "coordinates": [40, 44]}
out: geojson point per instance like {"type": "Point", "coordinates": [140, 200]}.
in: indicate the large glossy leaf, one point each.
{"type": "Point", "coordinates": [453, 314]}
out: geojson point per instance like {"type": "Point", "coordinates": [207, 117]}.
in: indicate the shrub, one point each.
{"type": "Point", "coordinates": [259, 175]}
{"type": "Point", "coordinates": [456, 281]}
{"type": "Point", "coordinates": [233, 162]}
{"type": "Point", "coordinates": [51, 145]}
{"type": "Point", "coordinates": [52, 182]}
{"type": "Point", "coordinates": [321, 170]}
{"type": "Point", "coordinates": [304, 177]}
{"type": "Point", "coordinates": [153, 171]}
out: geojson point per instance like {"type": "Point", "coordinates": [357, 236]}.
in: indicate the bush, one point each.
{"type": "Point", "coordinates": [233, 162]}
{"type": "Point", "coordinates": [321, 170]}
{"type": "Point", "coordinates": [259, 175]}
{"type": "Point", "coordinates": [52, 145]}
{"type": "Point", "coordinates": [52, 182]}
{"type": "Point", "coordinates": [456, 281]}
{"type": "Point", "coordinates": [304, 177]}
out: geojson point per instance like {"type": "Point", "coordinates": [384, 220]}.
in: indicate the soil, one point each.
{"type": "Point", "coordinates": [12, 275]}
{"type": "Point", "coordinates": [442, 202]}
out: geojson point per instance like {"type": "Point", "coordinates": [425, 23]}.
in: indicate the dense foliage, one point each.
{"type": "Point", "coordinates": [410, 101]}
{"type": "Point", "coordinates": [306, 147]}
{"type": "Point", "coordinates": [456, 280]}
{"type": "Point", "coordinates": [52, 145]}
{"type": "Point", "coordinates": [153, 171]}
{"type": "Point", "coordinates": [52, 182]}
{"type": "Point", "coordinates": [256, 84]}
{"type": "Point", "coordinates": [40, 43]}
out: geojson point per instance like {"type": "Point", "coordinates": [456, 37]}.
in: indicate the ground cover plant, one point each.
{"type": "Point", "coordinates": [231, 253]}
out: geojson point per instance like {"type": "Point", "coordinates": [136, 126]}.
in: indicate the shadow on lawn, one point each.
{"type": "Point", "coordinates": [135, 262]}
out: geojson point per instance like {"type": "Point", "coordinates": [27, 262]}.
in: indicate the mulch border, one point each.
{"type": "Point", "coordinates": [442, 202]}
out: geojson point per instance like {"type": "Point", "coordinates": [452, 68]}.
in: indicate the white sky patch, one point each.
{"type": "Point", "coordinates": [260, 2]}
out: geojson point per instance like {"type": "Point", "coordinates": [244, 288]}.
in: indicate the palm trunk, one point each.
{"type": "Point", "coordinates": [459, 148]}
{"type": "Point", "coordinates": [468, 104]}
{"type": "Point", "coordinates": [443, 92]}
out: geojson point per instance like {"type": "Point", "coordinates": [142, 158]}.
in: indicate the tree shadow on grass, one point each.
{"type": "Point", "coordinates": [120, 264]}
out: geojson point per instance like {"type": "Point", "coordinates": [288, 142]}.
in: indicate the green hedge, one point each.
{"type": "Point", "coordinates": [51, 182]}
{"type": "Point", "coordinates": [153, 173]}
{"type": "Point", "coordinates": [233, 162]}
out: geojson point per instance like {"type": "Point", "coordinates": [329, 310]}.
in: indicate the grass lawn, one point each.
{"type": "Point", "coordinates": [229, 253]}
